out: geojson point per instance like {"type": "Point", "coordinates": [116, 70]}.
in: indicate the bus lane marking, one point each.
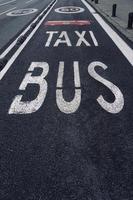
{"type": "Point", "coordinates": [18, 106]}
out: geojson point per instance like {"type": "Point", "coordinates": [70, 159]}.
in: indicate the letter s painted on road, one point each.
{"type": "Point", "coordinates": [118, 104]}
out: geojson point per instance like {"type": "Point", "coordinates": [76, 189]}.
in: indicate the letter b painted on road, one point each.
{"type": "Point", "coordinates": [26, 107]}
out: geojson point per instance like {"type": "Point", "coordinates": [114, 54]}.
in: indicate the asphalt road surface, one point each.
{"type": "Point", "coordinates": [66, 109]}
{"type": "Point", "coordinates": [10, 26]}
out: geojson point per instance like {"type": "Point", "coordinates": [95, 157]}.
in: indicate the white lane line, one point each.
{"type": "Point", "coordinates": [29, 1]}
{"type": "Point", "coordinates": [7, 11]}
{"type": "Point", "coordinates": [23, 33]}
{"type": "Point", "coordinates": [16, 54]}
{"type": "Point", "coordinates": [120, 43]}
{"type": "Point", "coordinates": [2, 4]}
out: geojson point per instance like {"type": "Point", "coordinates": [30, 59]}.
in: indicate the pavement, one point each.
{"type": "Point", "coordinates": [66, 95]}
{"type": "Point", "coordinates": [120, 22]}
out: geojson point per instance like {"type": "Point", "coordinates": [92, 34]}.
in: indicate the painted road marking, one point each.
{"type": "Point", "coordinates": [23, 33]}
{"type": "Point", "coordinates": [120, 43]}
{"type": "Point", "coordinates": [65, 39]}
{"type": "Point", "coordinates": [16, 54]}
{"type": "Point", "coordinates": [70, 22]}
{"type": "Point", "coordinates": [7, 11]}
{"type": "Point", "coordinates": [22, 12]}
{"type": "Point", "coordinates": [69, 10]}
{"type": "Point", "coordinates": [19, 106]}
{"type": "Point", "coordinates": [2, 4]}
{"type": "Point", "coordinates": [29, 1]}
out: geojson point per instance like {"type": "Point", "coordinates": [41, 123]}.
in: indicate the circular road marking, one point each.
{"type": "Point", "coordinates": [22, 12]}
{"type": "Point", "coordinates": [69, 10]}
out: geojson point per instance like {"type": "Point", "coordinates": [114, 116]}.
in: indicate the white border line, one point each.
{"type": "Point", "coordinates": [23, 33]}
{"type": "Point", "coordinates": [16, 54]}
{"type": "Point", "coordinates": [7, 11]}
{"type": "Point", "coordinates": [120, 43]}
{"type": "Point", "coordinates": [2, 4]}
{"type": "Point", "coordinates": [29, 1]}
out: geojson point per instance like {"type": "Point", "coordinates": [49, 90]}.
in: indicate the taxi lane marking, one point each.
{"type": "Point", "coordinates": [69, 10]}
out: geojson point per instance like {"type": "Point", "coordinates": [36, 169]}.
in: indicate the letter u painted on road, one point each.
{"type": "Point", "coordinates": [68, 107]}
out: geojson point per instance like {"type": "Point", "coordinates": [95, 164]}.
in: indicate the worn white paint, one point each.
{"type": "Point", "coordinates": [72, 106]}
{"type": "Point", "coordinates": [60, 75]}
{"type": "Point", "coordinates": [25, 107]}
{"type": "Point", "coordinates": [66, 40]}
{"type": "Point", "coordinates": [118, 104]}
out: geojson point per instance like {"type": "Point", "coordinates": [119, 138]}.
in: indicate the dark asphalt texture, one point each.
{"type": "Point", "coordinates": [49, 155]}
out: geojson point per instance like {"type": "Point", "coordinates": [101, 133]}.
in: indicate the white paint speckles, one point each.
{"type": "Point", "coordinates": [60, 75]}
{"type": "Point", "coordinates": [68, 107]}
{"type": "Point", "coordinates": [66, 39]}
{"type": "Point", "coordinates": [81, 39]}
{"type": "Point", "coordinates": [19, 106]}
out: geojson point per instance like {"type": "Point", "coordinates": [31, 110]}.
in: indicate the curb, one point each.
{"type": "Point", "coordinates": [117, 24]}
